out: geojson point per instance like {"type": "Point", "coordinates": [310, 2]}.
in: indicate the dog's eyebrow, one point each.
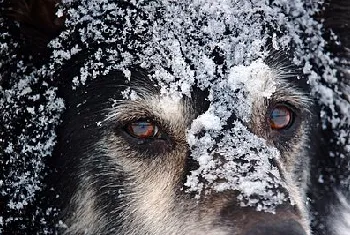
{"type": "Point", "coordinates": [143, 84]}
{"type": "Point", "coordinates": [163, 110]}
{"type": "Point", "coordinates": [292, 94]}
{"type": "Point", "coordinates": [287, 70]}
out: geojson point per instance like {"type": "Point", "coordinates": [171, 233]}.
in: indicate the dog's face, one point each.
{"type": "Point", "coordinates": [134, 166]}
{"type": "Point", "coordinates": [189, 137]}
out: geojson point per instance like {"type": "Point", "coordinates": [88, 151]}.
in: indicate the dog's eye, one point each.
{"type": "Point", "coordinates": [142, 129]}
{"type": "Point", "coordinates": [281, 117]}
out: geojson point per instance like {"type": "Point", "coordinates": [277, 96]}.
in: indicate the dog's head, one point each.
{"type": "Point", "coordinates": [164, 165]}
{"type": "Point", "coordinates": [181, 118]}
{"type": "Point", "coordinates": [185, 138]}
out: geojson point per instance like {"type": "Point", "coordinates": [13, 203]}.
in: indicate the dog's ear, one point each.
{"type": "Point", "coordinates": [336, 19]}
{"type": "Point", "coordinates": [38, 22]}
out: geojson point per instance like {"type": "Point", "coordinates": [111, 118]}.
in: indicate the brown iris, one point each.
{"type": "Point", "coordinates": [142, 129]}
{"type": "Point", "coordinates": [281, 117]}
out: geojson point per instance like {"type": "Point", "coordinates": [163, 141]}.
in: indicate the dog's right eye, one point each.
{"type": "Point", "coordinates": [142, 129]}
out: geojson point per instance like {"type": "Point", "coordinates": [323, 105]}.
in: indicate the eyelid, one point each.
{"type": "Point", "coordinates": [294, 108]}
{"type": "Point", "coordinates": [125, 119]}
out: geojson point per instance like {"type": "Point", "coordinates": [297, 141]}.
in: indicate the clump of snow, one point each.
{"type": "Point", "coordinates": [250, 83]}
{"type": "Point", "coordinates": [239, 161]}
{"type": "Point", "coordinates": [257, 78]}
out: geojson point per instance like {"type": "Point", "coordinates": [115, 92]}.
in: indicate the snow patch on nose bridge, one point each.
{"type": "Point", "coordinates": [230, 157]}
{"type": "Point", "coordinates": [257, 78]}
{"type": "Point", "coordinates": [238, 161]}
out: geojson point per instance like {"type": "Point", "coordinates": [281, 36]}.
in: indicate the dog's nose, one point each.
{"type": "Point", "coordinates": [286, 227]}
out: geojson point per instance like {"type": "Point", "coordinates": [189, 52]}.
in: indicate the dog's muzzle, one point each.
{"type": "Point", "coordinates": [286, 220]}
{"type": "Point", "coordinates": [284, 227]}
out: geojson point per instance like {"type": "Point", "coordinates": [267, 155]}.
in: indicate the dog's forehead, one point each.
{"type": "Point", "coordinates": [241, 87]}
{"type": "Point", "coordinates": [181, 42]}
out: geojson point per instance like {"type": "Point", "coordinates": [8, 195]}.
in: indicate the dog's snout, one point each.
{"type": "Point", "coordinates": [290, 227]}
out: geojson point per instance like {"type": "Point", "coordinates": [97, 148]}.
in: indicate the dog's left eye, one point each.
{"type": "Point", "coordinates": [143, 129]}
{"type": "Point", "coordinates": [281, 117]}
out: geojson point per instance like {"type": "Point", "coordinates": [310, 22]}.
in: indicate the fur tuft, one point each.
{"type": "Point", "coordinates": [37, 19]}
{"type": "Point", "coordinates": [340, 217]}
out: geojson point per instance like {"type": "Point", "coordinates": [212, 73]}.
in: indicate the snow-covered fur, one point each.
{"type": "Point", "coordinates": [175, 117]}
{"type": "Point", "coordinates": [340, 216]}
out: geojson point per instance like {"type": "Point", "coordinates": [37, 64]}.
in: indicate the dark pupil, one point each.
{"type": "Point", "coordinates": [142, 129]}
{"type": "Point", "coordinates": [280, 117]}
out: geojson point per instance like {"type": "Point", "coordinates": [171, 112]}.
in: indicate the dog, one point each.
{"type": "Point", "coordinates": [173, 118]}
